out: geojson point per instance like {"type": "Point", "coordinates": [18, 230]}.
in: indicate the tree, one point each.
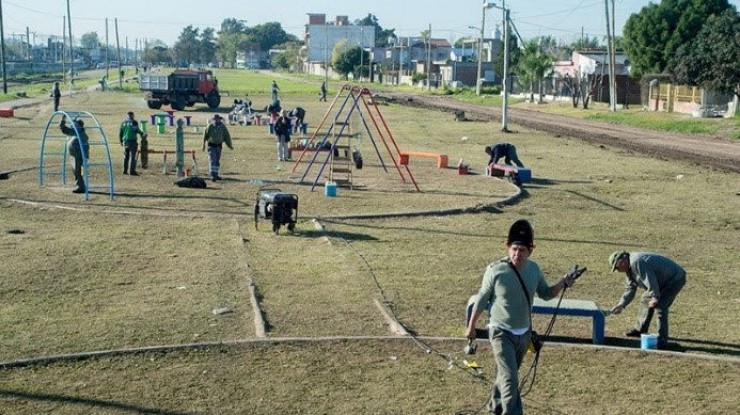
{"type": "Point", "coordinates": [158, 54]}
{"type": "Point", "coordinates": [187, 47]}
{"type": "Point", "coordinates": [712, 59]}
{"type": "Point", "coordinates": [89, 40]}
{"type": "Point", "coordinates": [231, 36]}
{"type": "Point", "coordinates": [532, 66]}
{"type": "Point", "coordinates": [381, 35]}
{"type": "Point", "coordinates": [288, 59]}
{"type": "Point", "coordinates": [207, 45]}
{"type": "Point", "coordinates": [347, 61]}
{"type": "Point", "coordinates": [652, 37]}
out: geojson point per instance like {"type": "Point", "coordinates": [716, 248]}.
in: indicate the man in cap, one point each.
{"type": "Point", "coordinates": [660, 277]}
{"type": "Point", "coordinates": [509, 305]}
{"type": "Point", "coordinates": [215, 136]}
{"type": "Point", "coordinates": [127, 136]}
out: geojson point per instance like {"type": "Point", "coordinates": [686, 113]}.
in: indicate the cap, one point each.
{"type": "Point", "coordinates": [615, 257]}
{"type": "Point", "coordinates": [521, 233]}
{"type": "Point", "coordinates": [217, 117]}
{"type": "Point", "coordinates": [131, 113]}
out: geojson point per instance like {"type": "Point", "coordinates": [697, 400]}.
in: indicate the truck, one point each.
{"type": "Point", "coordinates": [182, 88]}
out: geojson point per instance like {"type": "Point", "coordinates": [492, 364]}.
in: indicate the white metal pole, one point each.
{"type": "Point", "coordinates": [478, 80]}
{"type": "Point", "coordinates": [505, 105]}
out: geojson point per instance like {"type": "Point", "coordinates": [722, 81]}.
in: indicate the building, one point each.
{"type": "Point", "coordinates": [321, 37]}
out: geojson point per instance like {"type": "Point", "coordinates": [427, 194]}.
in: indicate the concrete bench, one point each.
{"type": "Point", "coordinates": [499, 170]}
{"type": "Point", "coordinates": [578, 308]}
{"type": "Point", "coordinates": [442, 159]}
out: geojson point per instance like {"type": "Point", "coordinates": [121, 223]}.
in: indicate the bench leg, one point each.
{"type": "Point", "coordinates": [598, 329]}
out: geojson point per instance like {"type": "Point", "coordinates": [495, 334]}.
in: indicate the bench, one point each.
{"type": "Point", "coordinates": [578, 308]}
{"type": "Point", "coordinates": [442, 159]}
{"type": "Point", "coordinates": [524, 175]}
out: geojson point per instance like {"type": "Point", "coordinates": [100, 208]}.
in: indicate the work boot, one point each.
{"type": "Point", "coordinates": [78, 190]}
{"type": "Point", "coordinates": [634, 333]}
{"type": "Point", "coordinates": [133, 173]}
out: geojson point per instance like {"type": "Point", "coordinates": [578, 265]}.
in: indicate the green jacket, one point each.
{"type": "Point", "coordinates": [129, 129]}
{"type": "Point", "coordinates": [216, 134]}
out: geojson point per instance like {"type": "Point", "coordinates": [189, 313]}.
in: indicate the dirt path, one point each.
{"type": "Point", "coordinates": [704, 150]}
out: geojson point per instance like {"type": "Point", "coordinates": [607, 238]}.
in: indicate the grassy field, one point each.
{"type": "Point", "coordinates": [169, 270]}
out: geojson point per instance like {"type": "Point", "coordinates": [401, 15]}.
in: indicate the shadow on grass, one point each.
{"type": "Point", "coordinates": [349, 236]}
{"type": "Point", "coordinates": [89, 402]}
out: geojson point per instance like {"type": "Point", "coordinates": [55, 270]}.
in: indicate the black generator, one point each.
{"type": "Point", "coordinates": [281, 208]}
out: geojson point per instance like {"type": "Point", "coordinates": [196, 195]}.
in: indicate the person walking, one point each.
{"type": "Point", "coordinates": [660, 277]}
{"type": "Point", "coordinates": [322, 97]}
{"type": "Point", "coordinates": [505, 150]}
{"type": "Point", "coordinates": [127, 136]}
{"type": "Point", "coordinates": [56, 94]}
{"type": "Point", "coordinates": [215, 136]}
{"type": "Point", "coordinates": [282, 135]}
{"type": "Point", "coordinates": [274, 91]}
{"type": "Point", "coordinates": [79, 154]}
{"type": "Point", "coordinates": [507, 292]}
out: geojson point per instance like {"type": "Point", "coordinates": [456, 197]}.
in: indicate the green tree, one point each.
{"type": "Point", "coordinates": [230, 38]}
{"type": "Point", "coordinates": [532, 67]}
{"type": "Point", "coordinates": [270, 34]}
{"type": "Point", "coordinates": [158, 55]}
{"type": "Point", "coordinates": [652, 37]}
{"type": "Point", "coordinates": [187, 47]}
{"type": "Point", "coordinates": [381, 35]}
{"type": "Point", "coordinates": [207, 45]}
{"type": "Point", "coordinates": [348, 61]}
{"type": "Point", "coordinates": [514, 56]}
{"type": "Point", "coordinates": [288, 59]}
{"type": "Point", "coordinates": [712, 59]}
{"type": "Point", "coordinates": [89, 40]}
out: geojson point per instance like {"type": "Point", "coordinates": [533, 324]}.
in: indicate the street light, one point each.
{"type": "Point", "coordinates": [505, 104]}
{"type": "Point", "coordinates": [478, 80]}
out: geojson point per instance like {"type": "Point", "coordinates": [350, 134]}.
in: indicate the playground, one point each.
{"type": "Point", "coordinates": [167, 300]}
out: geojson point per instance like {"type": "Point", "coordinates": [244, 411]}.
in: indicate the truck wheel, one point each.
{"type": "Point", "coordinates": [154, 104]}
{"type": "Point", "coordinates": [213, 100]}
{"type": "Point", "coordinates": [179, 103]}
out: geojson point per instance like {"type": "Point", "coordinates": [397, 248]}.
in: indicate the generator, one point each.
{"type": "Point", "coordinates": [278, 207]}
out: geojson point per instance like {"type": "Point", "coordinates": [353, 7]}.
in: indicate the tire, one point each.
{"type": "Point", "coordinates": [154, 104]}
{"type": "Point", "coordinates": [179, 103]}
{"type": "Point", "coordinates": [213, 100]}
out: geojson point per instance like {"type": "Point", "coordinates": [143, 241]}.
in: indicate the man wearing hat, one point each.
{"type": "Point", "coordinates": [127, 136]}
{"type": "Point", "coordinates": [509, 305]}
{"type": "Point", "coordinates": [215, 136]}
{"type": "Point", "coordinates": [660, 277]}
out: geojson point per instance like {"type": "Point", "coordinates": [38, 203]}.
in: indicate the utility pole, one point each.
{"type": "Point", "coordinates": [429, 59]}
{"type": "Point", "coordinates": [118, 47]}
{"type": "Point", "coordinates": [2, 49]}
{"type": "Point", "coordinates": [71, 48]}
{"type": "Point", "coordinates": [64, 43]}
{"type": "Point", "coordinates": [610, 46]}
{"type": "Point", "coordinates": [505, 104]}
{"type": "Point", "coordinates": [107, 56]}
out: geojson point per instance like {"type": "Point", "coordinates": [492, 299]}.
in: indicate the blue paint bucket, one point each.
{"type": "Point", "coordinates": [330, 189]}
{"type": "Point", "coordinates": [649, 341]}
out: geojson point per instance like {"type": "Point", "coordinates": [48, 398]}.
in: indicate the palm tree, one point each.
{"type": "Point", "coordinates": [532, 67]}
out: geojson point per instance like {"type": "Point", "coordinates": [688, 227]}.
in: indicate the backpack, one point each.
{"type": "Point", "coordinates": [194, 182]}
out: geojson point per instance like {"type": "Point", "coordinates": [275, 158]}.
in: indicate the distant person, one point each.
{"type": "Point", "coordinates": [322, 97]}
{"type": "Point", "coordinates": [274, 91]}
{"type": "Point", "coordinates": [505, 150]}
{"type": "Point", "coordinates": [215, 136]}
{"type": "Point", "coordinates": [56, 94]}
{"type": "Point", "coordinates": [77, 132]}
{"type": "Point", "coordinates": [299, 114]}
{"type": "Point", "coordinates": [127, 136]}
{"type": "Point", "coordinates": [660, 277]}
{"type": "Point", "coordinates": [282, 135]}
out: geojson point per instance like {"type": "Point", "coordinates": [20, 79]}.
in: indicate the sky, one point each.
{"type": "Point", "coordinates": [565, 20]}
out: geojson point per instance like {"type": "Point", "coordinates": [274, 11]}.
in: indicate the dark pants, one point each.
{"type": "Point", "coordinates": [77, 163]}
{"type": "Point", "coordinates": [129, 156]}
{"type": "Point", "coordinates": [668, 293]}
{"type": "Point", "coordinates": [56, 104]}
{"type": "Point", "coordinates": [214, 159]}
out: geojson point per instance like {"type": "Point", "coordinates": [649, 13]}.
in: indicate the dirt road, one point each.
{"type": "Point", "coordinates": [705, 150]}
